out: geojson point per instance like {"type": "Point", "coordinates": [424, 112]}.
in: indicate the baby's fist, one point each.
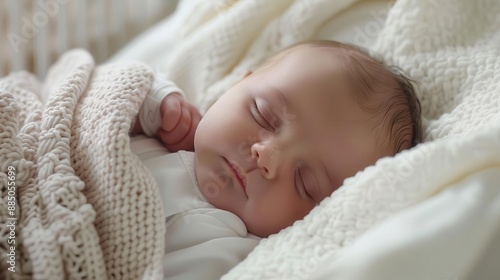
{"type": "Point", "coordinates": [179, 120]}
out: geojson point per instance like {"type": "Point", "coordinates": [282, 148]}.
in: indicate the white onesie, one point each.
{"type": "Point", "coordinates": [201, 241]}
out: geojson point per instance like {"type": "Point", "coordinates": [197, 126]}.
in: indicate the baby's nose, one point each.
{"type": "Point", "coordinates": [267, 157]}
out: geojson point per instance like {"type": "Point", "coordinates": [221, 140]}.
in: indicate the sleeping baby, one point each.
{"type": "Point", "coordinates": [269, 150]}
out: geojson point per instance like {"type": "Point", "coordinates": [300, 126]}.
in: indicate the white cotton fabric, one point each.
{"type": "Point", "coordinates": [201, 241]}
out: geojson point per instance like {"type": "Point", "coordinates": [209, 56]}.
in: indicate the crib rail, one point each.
{"type": "Point", "coordinates": [34, 33]}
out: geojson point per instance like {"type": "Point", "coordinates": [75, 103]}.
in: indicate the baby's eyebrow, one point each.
{"type": "Point", "coordinates": [285, 106]}
{"type": "Point", "coordinates": [281, 95]}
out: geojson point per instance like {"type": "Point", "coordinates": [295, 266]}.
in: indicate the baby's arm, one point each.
{"type": "Point", "coordinates": [167, 115]}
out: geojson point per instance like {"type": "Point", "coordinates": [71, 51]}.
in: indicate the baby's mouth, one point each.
{"type": "Point", "coordinates": [237, 174]}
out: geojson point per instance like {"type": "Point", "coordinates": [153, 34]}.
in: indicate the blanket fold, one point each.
{"type": "Point", "coordinates": [85, 206]}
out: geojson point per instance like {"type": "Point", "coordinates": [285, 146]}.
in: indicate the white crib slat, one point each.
{"type": "Point", "coordinates": [81, 25]}
{"type": "Point", "coordinates": [41, 46]}
{"type": "Point", "coordinates": [17, 51]}
{"type": "Point", "coordinates": [138, 15]}
{"type": "Point", "coordinates": [62, 30]}
{"type": "Point", "coordinates": [119, 20]}
{"type": "Point", "coordinates": [101, 30]}
{"type": "Point", "coordinates": [3, 49]}
{"type": "Point", "coordinates": [143, 13]}
{"type": "Point", "coordinates": [52, 29]}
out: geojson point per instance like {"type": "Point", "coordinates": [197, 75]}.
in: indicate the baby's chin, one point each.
{"type": "Point", "coordinates": [259, 228]}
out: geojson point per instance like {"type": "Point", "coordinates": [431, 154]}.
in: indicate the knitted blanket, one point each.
{"type": "Point", "coordinates": [451, 47]}
{"type": "Point", "coordinates": [76, 203]}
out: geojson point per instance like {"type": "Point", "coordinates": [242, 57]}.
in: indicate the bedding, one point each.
{"type": "Point", "coordinates": [452, 235]}
{"type": "Point", "coordinates": [85, 206]}
{"type": "Point", "coordinates": [358, 24]}
{"type": "Point", "coordinates": [450, 47]}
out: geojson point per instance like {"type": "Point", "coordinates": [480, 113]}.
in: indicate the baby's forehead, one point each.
{"type": "Point", "coordinates": [324, 53]}
{"type": "Point", "coordinates": [311, 70]}
{"type": "Point", "coordinates": [314, 81]}
{"type": "Point", "coordinates": [313, 63]}
{"type": "Point", "coordinates": [310, 54]}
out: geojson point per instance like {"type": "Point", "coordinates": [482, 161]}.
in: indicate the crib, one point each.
{"type": "Point", "coordinates": [35, 33]}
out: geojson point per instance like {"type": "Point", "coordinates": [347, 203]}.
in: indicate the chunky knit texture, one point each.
{"type": "Point", "coordinates": [86, 207]}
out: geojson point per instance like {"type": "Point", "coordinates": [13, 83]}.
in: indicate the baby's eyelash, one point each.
{"type": "Point", "coordinates": [299, 179]}
{"type": "Point", "coordinates": [256, 114]}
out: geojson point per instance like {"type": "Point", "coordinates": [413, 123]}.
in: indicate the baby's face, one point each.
{"type": "Point", "coordinates": [292, 132]}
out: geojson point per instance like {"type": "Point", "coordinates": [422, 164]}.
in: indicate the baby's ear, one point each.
{"type": "Point", "coordinates": [248, 73]}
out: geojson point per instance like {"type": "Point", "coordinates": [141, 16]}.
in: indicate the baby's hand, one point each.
{"type": "Point", "coordinates": [179, 120]}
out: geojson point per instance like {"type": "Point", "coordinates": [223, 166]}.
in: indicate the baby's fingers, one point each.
{"type": "Point", "coordinates": [171, 110]}
{"type": "Point", "coordinates": [180, 131]}
{"type": "Point", "coordinates": [187, 143]}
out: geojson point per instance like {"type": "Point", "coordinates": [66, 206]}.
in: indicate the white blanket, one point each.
{"type": "Point", "coordinates": [451, 47]}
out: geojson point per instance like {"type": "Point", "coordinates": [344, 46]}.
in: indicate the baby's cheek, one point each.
{"type": "Point", "coordinates": [269, 216]}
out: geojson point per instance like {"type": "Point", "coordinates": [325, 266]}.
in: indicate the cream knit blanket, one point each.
{"type": "Point", "coordinates": [86, 208]}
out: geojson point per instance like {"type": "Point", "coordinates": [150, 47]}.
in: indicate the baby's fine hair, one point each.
{"type": "Point", "coordinates": [380, 89]}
